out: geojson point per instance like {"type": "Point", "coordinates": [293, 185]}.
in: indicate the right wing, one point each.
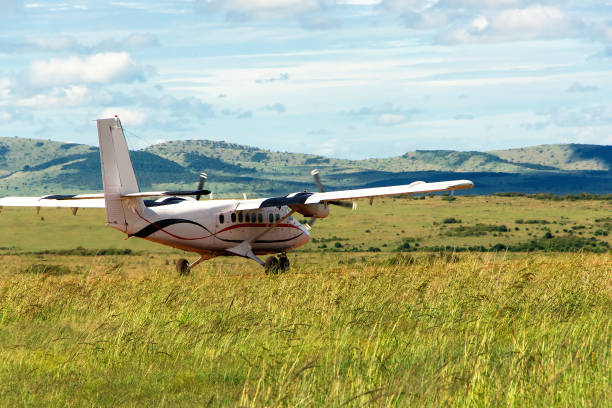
{"type": "Point", "coordinates": [52, 202]}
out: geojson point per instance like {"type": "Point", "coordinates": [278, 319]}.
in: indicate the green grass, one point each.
{"type": "Point", "coordinates": [473, 330]}
{"type": "Point", "coordinates": [90, 319]}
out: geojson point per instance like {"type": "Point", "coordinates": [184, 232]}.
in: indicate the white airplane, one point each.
{"type": "Point", "coordinates": [210, 228]}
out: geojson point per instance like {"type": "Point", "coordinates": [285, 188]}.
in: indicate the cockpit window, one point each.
{"type": "Point", "coordinates": [239, 217]}
{"type": "Point", "coordinates": [221, 219]}
{"type": "Point", "coordinates": [233, 217]}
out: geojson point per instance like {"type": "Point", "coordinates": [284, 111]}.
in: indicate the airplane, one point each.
{"type": "Point", "coordinates": [248, 228]}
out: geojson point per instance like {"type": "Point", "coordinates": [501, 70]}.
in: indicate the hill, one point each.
{"type": "Point", "coordinates": [34, 167]}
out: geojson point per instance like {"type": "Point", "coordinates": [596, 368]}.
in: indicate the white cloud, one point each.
{"type": "Point", "coordinates": [259, 9]}
{"type": "Point", "coordinates": [128, 117]}
{"type": "Point", "coordinates": [5, 87]}
{"type": "Point", "coordinates": [531, 23]}
{"type": "Point", "coordinates": [98, 68]}
{"type": "Point", "coordinates": [578, 87]}
{"type": "Point", "coordinates": [76, 95]}
{"type": "Point", "coordinates": [5, 116]}
{"type": "Point", "coordinates": [390, 119]}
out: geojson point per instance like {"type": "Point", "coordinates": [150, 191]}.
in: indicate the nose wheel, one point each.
{"type": "Point", "coordinates": [274, 265]}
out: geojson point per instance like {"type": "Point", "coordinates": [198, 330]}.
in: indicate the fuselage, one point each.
{"type": "Point", "coordinates": [213, 226]}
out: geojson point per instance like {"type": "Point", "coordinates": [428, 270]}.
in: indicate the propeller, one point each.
{"type": "Point", "coordinates": [339, 203]}
{"type": "Point", "coordinates": [203, 178]}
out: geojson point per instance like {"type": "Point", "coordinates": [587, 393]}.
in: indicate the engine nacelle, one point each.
{"type": "Point", "coordinates": [318, 210]}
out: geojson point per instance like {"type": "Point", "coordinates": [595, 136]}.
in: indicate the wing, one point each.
{"type": "Point", "coordinates": [315, 198]}
{"type": "Point", "coordinates": [51, 202]}
{"type": "Point", "coordinates": [85, 200]}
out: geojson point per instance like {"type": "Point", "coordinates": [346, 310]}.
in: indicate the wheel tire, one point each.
{"type": "Point", "coordinates": [182, 267]}
{"type": "Point", "coordinates": [272, 265]}
{"type": "Point", "coordinates": [283, 263]}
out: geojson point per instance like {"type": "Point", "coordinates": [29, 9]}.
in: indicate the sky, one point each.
{"type": "Point", "coordinates": [343, 78]}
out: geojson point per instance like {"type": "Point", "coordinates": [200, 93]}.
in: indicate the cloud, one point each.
{"type": "Point", "coordinates": [578, 87]}
{"type": "Point", "coordinates": [238, 114]}
{"type": "Point", "coordinates": [241, 10]}
{"type": "Point", "coordinates": [386, 114]}
{"type": "Point", "coordinates": [597, 115]}
{"type": "Point", "coordinates": [131, 42]}
{"type": "Point", "coordinates": [69, 43]}
{"type": "Point", "coordinates": [5, 87]}
{"type": "Point", "coordinates": [96, 69]}
{"type": "Point", "coordinates": [531, 23]}
{"type": "Point", "coordinates": [463, 116]}
{"type": "Point", "coordinates": [128, 116]}
{"type": "Point", "coordinates": [277, 107]}
{"type": "Point", "coordinates": [76, 95]}
{"type": "Point", "coordinates": [281, 77]}
{"type": "Point", "coordinates": [181, 107]}
{"type": "Point", "coordinates": [535, 126]}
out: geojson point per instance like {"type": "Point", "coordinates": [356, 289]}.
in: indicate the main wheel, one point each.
{"type": "Point", "coordinates": [271, 265]}
{"type": "Point", "coordinates": [283, 263]}
{"type": "Point", "coordinates": [182, 267]}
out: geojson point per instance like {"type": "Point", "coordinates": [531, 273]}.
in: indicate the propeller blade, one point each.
{"type": "Point", "coordinates": [203, 178]}
{"type": "Point", "coordinates": [310, 223]}
{"type": "Point", "coordinates": [317, 179]}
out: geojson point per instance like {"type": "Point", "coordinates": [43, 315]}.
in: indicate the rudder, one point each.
{"type": "Point", "coordinates": [118, 176]}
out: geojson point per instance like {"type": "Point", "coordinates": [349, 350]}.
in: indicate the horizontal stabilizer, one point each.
{"type": "Point", "coordinates": [73, 197]}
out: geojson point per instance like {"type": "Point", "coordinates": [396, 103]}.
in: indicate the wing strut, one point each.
{"type": "Point", "coordinates": [246, 250]}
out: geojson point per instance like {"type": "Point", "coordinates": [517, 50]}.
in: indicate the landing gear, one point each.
{"type": "Point", "coordinates": [182, 267]}
{"type": "Point", "coordinates": [276, 265]}
{"type": "Point", "coordinates": [283, 263]}
{"type": "Point", "coordinates": [271, 265]}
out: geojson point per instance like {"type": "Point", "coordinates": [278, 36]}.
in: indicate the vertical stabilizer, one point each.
{"type": "Point", "coordinates": [117, 176]}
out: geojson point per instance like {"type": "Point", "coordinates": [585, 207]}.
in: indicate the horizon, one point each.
{"type": "Point", "coordinates": [347, 79]}
{"type": "Point", "coordinates": [291, 152]}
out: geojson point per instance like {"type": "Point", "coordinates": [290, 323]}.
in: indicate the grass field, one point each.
{"type": "Point", "coordinates": [345, 327]}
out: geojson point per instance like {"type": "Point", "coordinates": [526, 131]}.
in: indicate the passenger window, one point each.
{"type": "Point", "coordinates": [240, 217]}
{"type": "Point", "coordinates": [271, 218]}
{"type": "Point", "coordinates": [277, 217]}
{"type": "Point", "coordinates": [221, 219]}
{"type": "Point", "coordinates": [247, 217]}
{"type": "Point", "coordinates": [260, 217]}
{"type": "Point", "coordinates": [253, 219]}
{"type": "Point", "coordinates": [233, 217]}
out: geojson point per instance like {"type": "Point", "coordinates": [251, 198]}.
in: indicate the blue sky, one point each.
{"type": "Point", "coordinates": [346, 78]}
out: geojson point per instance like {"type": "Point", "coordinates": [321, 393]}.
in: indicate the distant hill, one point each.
{"type": "Point", "coordinates": [561, 157]}
{"type": "Point", "coordinates": [35, 167]}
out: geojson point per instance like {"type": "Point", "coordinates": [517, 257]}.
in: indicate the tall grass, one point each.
{"type": "Point", "coordinates": [467, 330]}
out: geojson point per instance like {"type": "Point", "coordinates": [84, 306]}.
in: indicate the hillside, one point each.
{"type": "Point", "coordinates": [35, 167]}
{"type": "Point", "coordinates": [561, 157]}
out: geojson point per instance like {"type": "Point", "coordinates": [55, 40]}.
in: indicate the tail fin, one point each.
{"type": "Point", "coordinates": [118, 177]}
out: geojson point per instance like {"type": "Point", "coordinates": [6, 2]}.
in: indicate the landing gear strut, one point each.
{"type": "Point", "coordinates": [276, 265]}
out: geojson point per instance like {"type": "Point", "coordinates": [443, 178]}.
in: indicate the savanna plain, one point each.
{"type": "Point", "coordinates": [434, 301]}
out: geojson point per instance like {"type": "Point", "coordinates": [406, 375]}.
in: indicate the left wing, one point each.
{"type": "Point", "coordinates": [306, 198]}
